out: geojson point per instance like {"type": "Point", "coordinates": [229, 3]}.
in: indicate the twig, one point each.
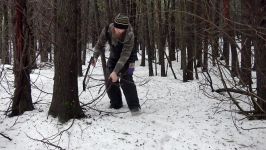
{"type": "Point", "coordinates": [6, 137]}
{"type": "Point", "coordinates": [46, 142]}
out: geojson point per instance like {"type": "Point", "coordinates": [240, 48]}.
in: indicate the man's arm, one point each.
{"type": "Point", "coordinates": [100, 45]}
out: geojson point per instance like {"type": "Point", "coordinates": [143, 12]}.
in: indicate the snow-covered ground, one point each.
{"type": "Point", "coordinates": [175, 115]}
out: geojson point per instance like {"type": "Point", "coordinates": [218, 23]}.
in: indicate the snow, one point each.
{"type": "Point", "coordinates": [175, 115]}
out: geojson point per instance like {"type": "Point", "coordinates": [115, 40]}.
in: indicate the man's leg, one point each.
{"type": "Point", "coordinates": [130, 91]}
{"type": "Point", "coordinates": [113, 91]}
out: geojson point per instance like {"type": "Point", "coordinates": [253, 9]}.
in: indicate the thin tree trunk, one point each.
{"type": "Point", "coordinates": [153, 35]}
{"type": "Point", "coordinates": [30, 6]}
{"type": "Point", "coordinates": [246, 61]}
{"type": "Point", "coordinates": [183, 38]}
{"type": "Point", "coordinates": [147, 38]}
{"type": "Point", "coordinates": [99, 31]}
{"type": "Point", "coordinates": [161, 39]}
{"type": "Point", "coordinates": [198, 33]}
{"type": "Point", "coordinates": [22, 100]}
{"type": "Point", "coordinates": [43, 49]}
{"type": "Point", "coordinates": [189, 41]}
{"type": "Point", "coordinates": [142, 38]}
{"type": "Point", "coordinates": [206, 36]}
{"type": "Point", "coordinates": [1, 29]}
{"type": "Point", "coordinates": [245, 75]}
{"type": "Point", "coordinates": [109, 11]}
{"type": "Point", "coordinates": [5, 48]}
{"type": "Point", "coordinates": [85, 22]}
{"type": "Point", "coordinates": [79, 39]}
{"type": "Point", "coordinates": [261, 56]}
{"type": "Point", "coordinates": [143, 54]}
{"type": "Point", "coordinates": [215, 35]}
{"type": "Point", "coordinates": [226, 10]}
{"type": "Point", "coordinates": [123, 7]}
{"type": "Point", "coordinates": [133, 22]}
{"type": "Point", "coordinates": [172, 40]}
{"type": "Point", "coordinates": [205, 54]}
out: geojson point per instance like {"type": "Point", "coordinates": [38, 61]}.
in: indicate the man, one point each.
{"type": "Point", "coordinates": [121, 62]}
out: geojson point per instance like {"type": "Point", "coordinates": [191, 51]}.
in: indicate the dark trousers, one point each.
{"type": "Point", "coordinates": [129, 89]}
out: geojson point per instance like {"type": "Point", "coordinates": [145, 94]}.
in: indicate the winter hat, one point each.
{"type": "Point", "coordinates": [121, 21]}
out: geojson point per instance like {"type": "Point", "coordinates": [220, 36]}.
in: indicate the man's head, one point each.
{"type": "Point", "coordinates": [121, 22]}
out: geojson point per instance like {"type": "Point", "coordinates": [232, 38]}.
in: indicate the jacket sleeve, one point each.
{"type": "Point", "coordinates": [126, 52]}
{"type": "Point", "coordinates": [100, 45]}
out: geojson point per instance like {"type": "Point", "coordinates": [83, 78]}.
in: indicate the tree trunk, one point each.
{"type": "Point", "coordinates": [143, 54]}
{"type": "Point", "coordinates": [172, 39]}
{"type": "Point", "coordinates": [109, 11]}
{"type": "Point", "coordinates": [22, 100]}
{"type": "Point", "coordinates": [215, 34]}
{"type": "Point", "coordinates": [261, 56]}
{"type": "Point", "coordinates": [234, 57]}
{"type": "Point", "coordinates": [245, 75]}
{"type": "Point", "coordinates": [65, 102]}
{"type": "Point", "coordinates": [133, 22]}
{"type": "Point", "coordinates": [30, 20]}
{"type": "Point", "coordinates": [147, 37]}
{"type": "Point", "coordinates": [79, 39]}
{"type": "Point", "coordinates": [142, 37]}
{"type": "Point", "coordinates": [43, 49]}
{"type": "Point", "coordinates": [161, 39]}
{"type": "Point", "coordinates": [198, 33]}
{"type": "Point", "coordinates": [1, 38]}
{"type": "Point", "coordinates": [226, 10]}
{"type": "Point", "coordinates": [5, 48]}
{"type": "Point", "coordinates": [190, 39]}
{"type": "Point", "coordinates": [205, 53]}
{"type": "Point", "coordinates": [245, 60]}
{"type": "Point", "coordinates": [153, 35]}
{"type": "Point", "coordinates": [123, 7]}
{"type": "Point", "coordinates": [183, 38]}
{"type": "Point", "coordinates": [85, 22]}
{"type": "Point", "coordinates": [97, 15]}
{"type": "Point", "coordinates": [206, 37]}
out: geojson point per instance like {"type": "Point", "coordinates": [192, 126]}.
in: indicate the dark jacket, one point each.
{"type": "Point", "coordinates": [120, 50]}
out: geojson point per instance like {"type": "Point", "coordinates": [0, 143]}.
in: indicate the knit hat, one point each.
{"type": "Point", "coordinates": [121, 21]}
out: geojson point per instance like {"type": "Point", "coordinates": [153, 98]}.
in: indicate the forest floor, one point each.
{"type": "Point", "coordinates": [175, 115]}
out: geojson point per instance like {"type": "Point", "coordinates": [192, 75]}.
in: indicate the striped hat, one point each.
{"type": "Point", "coordinates": [121, 21]}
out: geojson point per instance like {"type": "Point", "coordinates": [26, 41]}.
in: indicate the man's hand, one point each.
{"type": "Point", "coordinates": [113, 76]}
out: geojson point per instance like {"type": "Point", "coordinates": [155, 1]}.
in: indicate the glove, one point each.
{"type": "Point", "coordinates": [131, 68]}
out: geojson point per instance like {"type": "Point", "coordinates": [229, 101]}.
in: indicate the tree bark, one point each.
{"type": "Point", "coordinates": [147, 38]}
{"type": "Point", "coordinates": [30, 20]}
{"type": "Point", "coordinates": [246, 47]}
{"type": "Point", "coordinates": [65, 102]}
{"type": "Point", "coordinates": [190, 39]}
{"type": "Point", "coordinates": [5, 46]}
{"type": "Point", "coordinates": [198, 33]}
{"type": "Point", "coordinates": [172, 39]}
{"type": "Point", "coordinates": [261, 56]}
{"type": "Point", "coordinates": [123, 7]}
{"type": "Point", "coordinates": [226, 10]}
{"type": "Point", "coordinates": [79, 39]}
{"type": "Point", "coordinates": [215, 34]}
{"type": "Point", "coordinates": [22, 100]}
{"type": "Point", "coordinates": [85, 22]}
{"type": "Point", "coordinates": [1, 38]}
{"type": "Point", "coordinates": [161, 39]}
{"type": "Point", "coordinates": [97, 15]}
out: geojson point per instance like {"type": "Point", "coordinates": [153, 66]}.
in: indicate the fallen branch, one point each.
{"type": "Point", "coordinates": [6, 137]}
{"type": "Point", "coordinates": [47, 143]}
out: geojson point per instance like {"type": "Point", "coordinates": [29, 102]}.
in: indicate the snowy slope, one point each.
{"type": "Point", "coordinates": [176, 115]}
